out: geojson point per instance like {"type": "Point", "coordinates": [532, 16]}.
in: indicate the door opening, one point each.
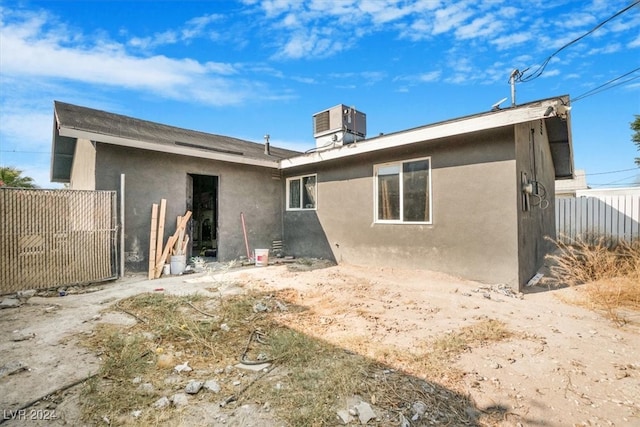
{"type": "Point", "coordinates": [204, 206]}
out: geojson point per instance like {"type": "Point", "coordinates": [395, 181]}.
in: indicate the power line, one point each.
{"type": "Point", "coordinates": [623, 179]}
{"type": "Point", "coordinates": [538, 72]}
{"type": "Point", "coordinates": [612, 172]}
{"type": "Point", "coordinates": [625, 184]}
{"type": "Point", "coordinates": [602, 87]}
{"type": "Point", "coordinates": [620, 180]}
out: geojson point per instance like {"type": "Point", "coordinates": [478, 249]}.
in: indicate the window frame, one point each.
{"type": "Point", "coordinates": [300, 179]}
{"type": "Point", "coordinates": [400, 164]}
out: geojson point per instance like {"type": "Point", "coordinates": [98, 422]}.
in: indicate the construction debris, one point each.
{"type": "Point", "coordinates": [183, 368]}
{"type": "Point", "coordinates": [176, 244]}
{"type": "Point", "coordinates": [501, 288]}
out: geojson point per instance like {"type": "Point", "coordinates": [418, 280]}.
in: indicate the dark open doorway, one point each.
{"type": "Point", "coordinates": [204, 205]}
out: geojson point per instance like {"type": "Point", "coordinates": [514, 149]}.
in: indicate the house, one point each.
{"type": "Point", "coordinates": [473, 196]}
{"type": "Point", "coordinates": [569, 187]}
{"type": "Point", "coordinates": [216, 177]}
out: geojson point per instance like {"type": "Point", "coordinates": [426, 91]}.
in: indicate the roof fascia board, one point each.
{"type": "Point", "coordinates": [185, 151]}
{"type": "Point", "coordinates": [423, 134]}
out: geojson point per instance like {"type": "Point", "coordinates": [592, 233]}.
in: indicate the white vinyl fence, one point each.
{"type": "Point", "coordinates": [586, 217]}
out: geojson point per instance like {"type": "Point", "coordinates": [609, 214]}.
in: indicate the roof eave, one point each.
{"type": "Point", "coordinates": [470, 124]}
{"type": "Point", "coordinates": [152, 146]}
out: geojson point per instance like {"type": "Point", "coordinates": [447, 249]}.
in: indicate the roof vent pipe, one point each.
{"type": "Point", "coordinates": [267, 148]}
{"type": "Point", "coordinates": [512, 81]}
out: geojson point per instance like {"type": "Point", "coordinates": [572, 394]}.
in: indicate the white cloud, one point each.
{"type": "Point", "coordinates": [371, 77]}
{"type": "Point", "coordinates": [450, 17]}
{"type": "Point", "coordinates": [550, 73]}
{"type": "Point", "coordinates": [420, 6]}
{"type": "Point", "coordinates": [610, 48]}
{"type": "Point", "coordinates": [414, 79]}
{"type": "Point", "coordinates": [508, 41]}
{"type": "Point", "coordinates": [432, 76]}
{"type": "Point", "coordinates": [30, 48]}
{"type": "Point", "coordinates": [192, 29]}
{"type": "Point", "coordinates": [457, 78]}
{"type": "Point", "coordinates": [479, 27]}
{"type": "Point", "coordinates": [312, 43]}
{"type": "Point", "coordinates": [577, 20]}
{"type": "Point", "coordinates": [159, 39]}
{"type": "Point", "coordinates": [305, 80]}
{"type": "Point", "coordinates": [461, 64]}
{"type": "Point", "coordinates": [274, 8]}
{"type": "Point", "coordinates": [418, 30]}
{"type": "Point", "coordinates": [291, 21]}
{"type": "Point", "coordinates": [381, 12]}
{"type": "Point", "coordinates": [28, 128]}
{"type": "Point", "coordinates": [509, 12]}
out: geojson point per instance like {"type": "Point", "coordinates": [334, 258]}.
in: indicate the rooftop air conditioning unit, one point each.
{"type": "Point", "coordinates": [339, 125]}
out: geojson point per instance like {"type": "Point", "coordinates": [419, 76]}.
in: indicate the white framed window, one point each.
{"type": "Point", "coordinates": [403, 192]}
{"type": "Point", "coordinates": [302, 193]}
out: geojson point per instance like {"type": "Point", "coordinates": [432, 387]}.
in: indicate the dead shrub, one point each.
{"type": "Point", "coordinates": [609, 269]}
{"type": "Point", "coordinates": [584, 261]}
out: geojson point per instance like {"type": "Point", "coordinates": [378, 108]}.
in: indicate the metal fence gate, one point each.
{"type": "Point", "coordinates": [51, 238]}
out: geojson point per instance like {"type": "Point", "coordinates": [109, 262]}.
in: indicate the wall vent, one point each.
{"type": "Point", "coordinates": [321, 122]}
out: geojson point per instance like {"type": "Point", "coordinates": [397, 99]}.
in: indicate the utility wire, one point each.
{"type": "Point", "coordinates": [623, 179]}
{"type": "Point", "coordinates": [620, 180]}
{"type": "Point", "coordinates": [624, 184]}
{"type": "Point", "coordinates": [603, 87]}
{"type": "Point", "coordinates": [612, 172]}
{"type": "Point", "coordinates": [538, 71]}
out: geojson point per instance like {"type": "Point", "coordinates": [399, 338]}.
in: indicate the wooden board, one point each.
{"type": "Point", "coordinates": [171, 242]}
{"type": "Point", "coordinates": [160, 239]}
{"type": "Point", "coordinates": [152, 240]}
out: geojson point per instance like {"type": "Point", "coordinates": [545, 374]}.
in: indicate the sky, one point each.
{"type": "Point", "coordinates": [248, 68]}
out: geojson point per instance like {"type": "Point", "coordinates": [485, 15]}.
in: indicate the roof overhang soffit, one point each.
{"type": "Point", "coordinates": [165, 148]}
{"type": "Point", "coordinates": [461, 126]}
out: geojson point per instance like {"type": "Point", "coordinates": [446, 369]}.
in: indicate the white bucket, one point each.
{"type": "Point", "coordinates": [178, 263]}
{"type": "Point", "coordinates": [262, 257]}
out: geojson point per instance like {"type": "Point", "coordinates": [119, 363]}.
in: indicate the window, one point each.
{"type": "Point", "coordinates": [403, 191]}
{"type": "Point", "coordinates": [301, 192]}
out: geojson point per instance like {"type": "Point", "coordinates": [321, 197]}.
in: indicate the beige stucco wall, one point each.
{"type": "Point", "coordinates": [83, 170]}
{"type": "Point", "coordinates": [474, 230]}
{"type": "Point", "coordinates": [151, 176]}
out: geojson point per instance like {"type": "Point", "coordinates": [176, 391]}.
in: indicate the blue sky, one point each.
{"type": "Point", "coordinates": [247, 68]}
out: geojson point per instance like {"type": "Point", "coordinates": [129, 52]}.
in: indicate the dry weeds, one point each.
{"type": "Point", "coordinates": [609, 269]}
{"type": "Point", "coordinates": [310, 379]}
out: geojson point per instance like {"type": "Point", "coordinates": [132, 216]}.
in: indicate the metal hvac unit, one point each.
{"type": "Point", "coordinates": [339, 125]}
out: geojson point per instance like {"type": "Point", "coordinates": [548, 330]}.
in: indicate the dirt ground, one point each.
{"type": "Point", "coordinates": [565, 366]}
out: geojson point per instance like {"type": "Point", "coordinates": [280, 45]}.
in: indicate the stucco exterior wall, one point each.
{"type": "Point", "coordinates": [474, 230]}
{"type": "Point", "coordinates": [152, 176]}
{"type": "Point", "coordinates": [538, 221]}
{"type": "Point", "coordinates": [83, 170]}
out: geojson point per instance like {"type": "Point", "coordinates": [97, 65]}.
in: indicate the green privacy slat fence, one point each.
{"type": "Point", "coordinates": [580, 218]}
{"type": "Point", "coordinates": [51, 238]}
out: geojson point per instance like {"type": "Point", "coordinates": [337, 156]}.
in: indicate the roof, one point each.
{"type": "Point", "coordinates": [72, 122]}
{"type": "Point", "coordinates": [554, 111]}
